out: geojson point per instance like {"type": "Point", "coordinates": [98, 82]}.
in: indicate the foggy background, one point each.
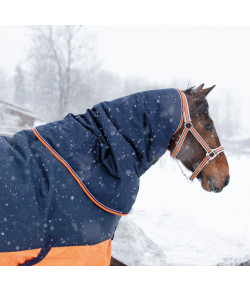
{"type": "Point", "coordinates": [15, 45]}
{"type": "Point", "coordinates": [53, 70]}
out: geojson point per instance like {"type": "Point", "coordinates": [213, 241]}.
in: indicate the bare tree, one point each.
{"type": "Point", "coordinates": [61, 56]}
{"type": "Point", "coordinates": [19, 84]}
{"type": "Point", "coordinates": [6, 86]}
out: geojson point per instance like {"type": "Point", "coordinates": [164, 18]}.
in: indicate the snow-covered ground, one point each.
{"type": "Point", "coordinates": [187, 225]}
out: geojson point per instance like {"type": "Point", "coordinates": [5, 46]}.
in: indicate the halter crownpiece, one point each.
{"type": "Point", "coordinates": [188, 127]}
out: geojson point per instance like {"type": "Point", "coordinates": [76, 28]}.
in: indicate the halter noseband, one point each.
{"type": "Point", "coordinates": [188, 127]}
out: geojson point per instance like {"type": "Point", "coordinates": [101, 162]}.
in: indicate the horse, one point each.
{"type": "Point", "coordinates": [65, 185]}
{"type": "Point", "coordinates": [214, 176]}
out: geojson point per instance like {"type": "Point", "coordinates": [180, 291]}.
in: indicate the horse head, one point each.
{"type": "Point", "coordinates": [214, 173]}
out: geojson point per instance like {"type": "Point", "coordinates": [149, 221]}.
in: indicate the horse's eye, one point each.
{"type": "Point", "coordinates": [209, 127]}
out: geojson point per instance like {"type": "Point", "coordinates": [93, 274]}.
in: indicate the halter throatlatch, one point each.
{"type": "Point", "coordinates": [188, 127]}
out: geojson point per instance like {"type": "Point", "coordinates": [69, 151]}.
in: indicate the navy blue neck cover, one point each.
{"type": "Point", "coordinates": [114, 143]}
{"type": "Point", "coordinates": [108, 148]}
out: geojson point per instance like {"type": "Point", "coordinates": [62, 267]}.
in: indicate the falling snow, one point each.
{"type": "Point", "coordinates": [184, 224]}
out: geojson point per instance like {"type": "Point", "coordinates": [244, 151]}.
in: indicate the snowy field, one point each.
{"type": "Point", "coordinates": [174, 222]}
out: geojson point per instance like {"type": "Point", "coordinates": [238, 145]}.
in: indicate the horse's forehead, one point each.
{"type": "Point", "coordinates": [199, 107]}
{"type": "Point", "coordinates": [197, 96]}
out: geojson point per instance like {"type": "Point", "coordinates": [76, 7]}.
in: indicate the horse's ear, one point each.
{"type": "Point", "coordinates": [206, 91]}
{"type": "Point", "coordinates": [199, 88]}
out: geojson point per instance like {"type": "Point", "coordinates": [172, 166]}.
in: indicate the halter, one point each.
{"type": "Point", "coordinates": [188, 127]}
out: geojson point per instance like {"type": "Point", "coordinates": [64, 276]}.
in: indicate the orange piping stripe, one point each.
{"type": "Point", "coordinates": [199, 167]}
{"type": "Point", "coordinates": [75, 177]}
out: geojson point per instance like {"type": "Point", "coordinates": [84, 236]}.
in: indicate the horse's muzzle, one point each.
{"type": "Point", "coordinates": [214, 188]}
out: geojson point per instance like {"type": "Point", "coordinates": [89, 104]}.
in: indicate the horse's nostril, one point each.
{"type": "Point", "coordinates": [227, 181]}
{"type": "Point", "coordinates": [213, 185]}
{"type": "Point", "coordinates": [217, 190]}
{"type": "Point", "coordinates": [212, 182]}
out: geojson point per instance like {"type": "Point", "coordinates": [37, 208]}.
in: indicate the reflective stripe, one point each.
{"type": "Point", "coordinates": [199, 168]}
{"type": "Point", "coordinates": [202, 142]}
{"type": "Point", "coordinates": [220, 149]}
{"type": "Point", "coordinates": [180, 142]}
{"type": "Point", "coordinates": [185, 107]}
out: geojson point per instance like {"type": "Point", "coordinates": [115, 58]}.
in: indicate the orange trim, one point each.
{"type": "Point", "coordinates": [180, 142]}
{"type": "Point", "coordinates": [186, 110]}
{"type": "Point", "coordinates": [218, 150]}
{"type": "Point", "coordinates": [89, 255]}
{"type": "Point", "coordinates": [75, 177]}
{"type": "Point", "coordinates": [197, 170]}
{"type": "Point", "coordinates": [182, 115]}
{"type": "Point", "coordinates": [184, 105]}
{"type": "Point", "coordinates": [201, 140]}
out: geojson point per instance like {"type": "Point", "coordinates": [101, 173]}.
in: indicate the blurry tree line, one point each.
{"type": "Point", "coordinates": [6, 86]}
{"type": "Point", "coordinates": [63, 74]}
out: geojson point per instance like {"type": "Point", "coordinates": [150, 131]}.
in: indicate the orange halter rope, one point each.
{"type": "Point", "coordinates": [188, 127]}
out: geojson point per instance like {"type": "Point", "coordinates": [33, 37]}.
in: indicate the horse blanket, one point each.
{"type": "Point", "coordinates": [65, 185]}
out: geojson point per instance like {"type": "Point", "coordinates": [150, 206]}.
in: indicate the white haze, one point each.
{"type": "Point", "coordinates": [171, 55]}
{"type": "Point", "coordinates": [199, 228]}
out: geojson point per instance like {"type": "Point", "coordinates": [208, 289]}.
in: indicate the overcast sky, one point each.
{"type": "Point", "coordinates": [212, 54]}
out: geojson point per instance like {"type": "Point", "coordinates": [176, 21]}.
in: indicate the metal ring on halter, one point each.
{"type": "Point", "coordinates": [212, 155]}
{"type": "Point", "coordinates": [188, 125]}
